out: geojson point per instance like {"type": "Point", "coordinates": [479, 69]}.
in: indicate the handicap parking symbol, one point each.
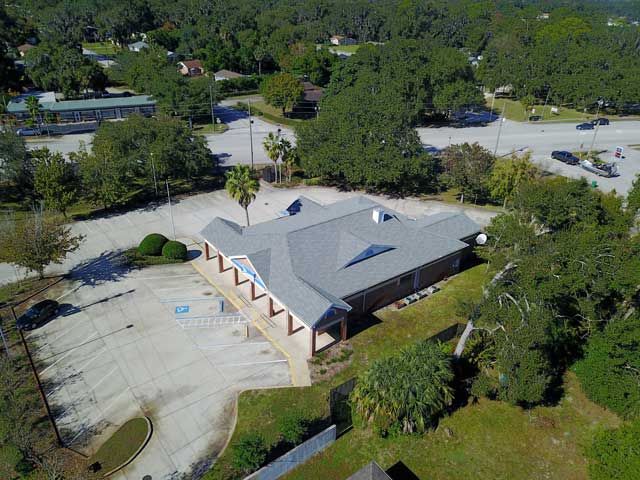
{"type": "Point", "coordinates": [182, 309]}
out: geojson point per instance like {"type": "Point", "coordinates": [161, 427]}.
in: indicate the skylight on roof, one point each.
{"type": "Point", "coordinates": [369, 252]}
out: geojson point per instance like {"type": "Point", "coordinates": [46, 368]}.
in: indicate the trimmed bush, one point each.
{"type": "Point", "coordinates": [152, 244]}
{"type": "Point", "coordinates": [174, 250]}
{"type": "Point", "coordinates": [615, 454]}
{"type": "Point", "coordinates": [293, 426]}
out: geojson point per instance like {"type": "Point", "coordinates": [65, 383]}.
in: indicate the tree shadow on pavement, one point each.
{"type": "Point", "coordinates": [107, 267]}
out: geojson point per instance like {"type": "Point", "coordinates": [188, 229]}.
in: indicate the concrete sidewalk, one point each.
{"type": "Point", "coordinates": [294, 347]}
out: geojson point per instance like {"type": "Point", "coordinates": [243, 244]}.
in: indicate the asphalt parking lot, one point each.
{"type": "Point", "coordinates": [159, 342]}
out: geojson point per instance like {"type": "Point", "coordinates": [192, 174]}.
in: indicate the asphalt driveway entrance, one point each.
{"type": "Point", "coordinates": [160, 342]}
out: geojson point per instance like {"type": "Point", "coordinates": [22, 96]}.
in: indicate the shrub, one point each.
{"type": "Point", "coordinates": [249, 453]}
{"type": "Point", "coordinates": [174, 250]}
{"type": "Point", "coordinates": [615, 454]}
{"type": "Point", "coordinates": [152, 244]}
{"type": "Point", "coordinates": [405, 392]}
{"type": "Point", "coordinates": [608, 371]}
{"type": "Point", "coordinates": [293, 427]}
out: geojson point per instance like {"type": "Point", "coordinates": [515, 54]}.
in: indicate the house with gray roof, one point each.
{"type": "Point", "coordinates": [326, 265]}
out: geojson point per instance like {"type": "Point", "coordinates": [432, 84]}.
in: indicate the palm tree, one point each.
{"type": "Point", "coordinates": [407, 391]}
{"type": "Point", "coordinates": [242, 186]}
{"type": "Point", "coordinates": [33, 107]}
{"type": "Point", "coordinates": [271, 145]}
{"type": "Point", "coordinates": [289, 156]}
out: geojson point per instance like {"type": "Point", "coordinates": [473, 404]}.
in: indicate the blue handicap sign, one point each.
{"type": "Point", "coordinates": [182, 309]}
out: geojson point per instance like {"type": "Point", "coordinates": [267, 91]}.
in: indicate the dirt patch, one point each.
{"type": "Point", "coordinates": [326, 364]}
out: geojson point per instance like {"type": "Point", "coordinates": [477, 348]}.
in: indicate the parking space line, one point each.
{"type": "Point", "coordinates": [68, 292]}
{"type": "Point", "coordinates": [167, 276]}
{"type": "Point", "coordinates": [69, 352]}
{"type": "Point", "coordinates": [202, 299]}
{"type": "Point", "coordinates": [250, 363]}
{"type": "Point", "coordinates": [217, 345]}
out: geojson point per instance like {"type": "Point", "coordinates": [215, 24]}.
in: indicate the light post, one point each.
{"type": "Point", "coordinates": [173, 225]}
{"type": "Point", "coordinates": [153, 169]}
{"type": "Point", "coordinates": [213, 118]}
{"type": "Point", "coordinates": [495, 151]}
{"type": "Point", "coordinates": [250, 132]}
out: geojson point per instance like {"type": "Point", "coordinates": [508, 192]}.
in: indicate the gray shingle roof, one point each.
{"type": "Point", "coordinates": [371, 471]}
{"type": "Point", "coordinates": [313, 259]}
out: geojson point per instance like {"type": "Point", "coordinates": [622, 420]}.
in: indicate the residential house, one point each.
{"type": "Point", "coordinates": [24, 48]}
{"type": "Point", "coordinates": [138, 46]}
{"type": "Point", "coordinates": [342, 40]}
{"type": "Point", "coordinates": [226, 75]}
{"type": "Point", "coordinates": [371, 471]}
{"type": "Point", "coordinates": [191, 68]}
{"type": "Point", "coordinates": [327, 265]}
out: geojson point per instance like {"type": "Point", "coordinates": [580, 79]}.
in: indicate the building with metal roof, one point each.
{"type": "Point", "coordinates": [95, 109]}
{"type": "Point", "coordinates": [325, 264]}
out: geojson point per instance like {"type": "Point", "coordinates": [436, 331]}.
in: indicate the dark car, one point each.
{"type": "Point", "coordinates": [37, 315]}
{"type": "Point", "coordinates": [28, 132]}
{"type": "Point", "coordinates": [584, 126]}
{"type": "Point", "coordinates": [535, 118]}
{"type": "Point", "coordinates": [565, 157]}
{"type": "Point", "coordinates": [600, 121]}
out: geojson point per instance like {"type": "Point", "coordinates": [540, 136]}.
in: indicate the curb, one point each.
{"type": "Point", "coordinates": [136, 453]}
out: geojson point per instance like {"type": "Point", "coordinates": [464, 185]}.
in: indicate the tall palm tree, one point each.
{"type": "Point", "coordinates": [288, 154]}
{"type": "Point", "coordinates": [33, 107]}
{"type": "Point", "coordinates": [271, 145]}
{"type": "Point", "coordinates": [242, 186]}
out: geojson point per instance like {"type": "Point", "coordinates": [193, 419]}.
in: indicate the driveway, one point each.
{"type": "Point", "coordinates": [111, 233]}
{"type": "Point", "coordinates": [159, 342]}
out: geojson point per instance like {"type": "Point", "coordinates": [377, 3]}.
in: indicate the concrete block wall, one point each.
{"type": "Point", "coordinates": [295, 457]}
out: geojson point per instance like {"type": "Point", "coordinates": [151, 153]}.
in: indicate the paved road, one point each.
{"type": "Point", "coordinates": [542, 139]}
{"type": "Point", "coordinates": [117, 232]}
{"type": "Point", "coordinates": [232, 146]}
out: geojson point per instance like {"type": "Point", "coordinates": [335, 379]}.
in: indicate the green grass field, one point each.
{"type": "Point", "coordinates": [259, 410]}
{"type": "Point", "coordinates": [490, 439]}
{"type": "Point", "coordinates": [515, 111]}
{"type": "Point", "coordinates": [120, 446]}
{"type": "Point", "coordinates": [101, 48]}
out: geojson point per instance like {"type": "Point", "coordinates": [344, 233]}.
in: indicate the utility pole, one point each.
{"type": "Point", "coordinates": [213, 118]}
{"type": "Point", "coordinates": [250, 131]}
{"type": "Point", "coordinates": [495, 151]}
{"type": "Point", "coordinates": [4, 339]}
{"type": "Point", "coordinates": [493, 99]}
{"type": "Point", "coordinates": [593, 140]}
{"type": "Point", "coordinates": [545, 102]}
{"type": "Point", "coordinates": [173, 225]}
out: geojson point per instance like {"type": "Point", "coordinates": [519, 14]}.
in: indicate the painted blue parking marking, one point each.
{"type": "Point", "coordinates": [182, 309]}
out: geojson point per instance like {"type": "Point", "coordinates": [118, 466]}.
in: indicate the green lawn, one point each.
{"type": "Point", "coordinates": [121, 446]}
{"type": "Point", "coordinates": [515, 111]}
{"type": "Point", "coordinates": [101, 48]}
{"type": "Point", "coordinates": [489, 440]}
{"type": "Point", "coordinates": [210, 128]}
{"type": "Point", "coordinates": [259, 410]}
{"type": "Point", "coordinates": [452, 196]}
{"type": "Point", "coordinates": [273, 115]}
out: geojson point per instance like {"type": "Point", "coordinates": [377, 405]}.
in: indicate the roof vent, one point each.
{"type": "Point", "coordinates": [378, 215]}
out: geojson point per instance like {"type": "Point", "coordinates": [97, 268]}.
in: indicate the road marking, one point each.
{"type": "Point", "coordinates": [80, 370]}
{"type": "Point", "coordinates": [69, 352]}
{"type": "Point", "coordinates": [251, 363]}
{"type": "Point", "coordinates": [68, 292]}
{"type": "Point", "coordinates": [217, 345]}
{"type": "Point", "coordinates": [201, 299]}
{"type": "Point", "coordinates": [100, 382]}
{"type": "Point", "coordinates": [167, 276]}
{"type": "Point", "coordinates": [182, 309]}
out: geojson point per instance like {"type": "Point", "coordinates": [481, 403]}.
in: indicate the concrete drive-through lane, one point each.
{"type": "Point", "coordinates": [158, 342]}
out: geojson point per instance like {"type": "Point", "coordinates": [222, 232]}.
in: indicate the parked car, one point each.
{"type": "Point", "coordinates": [535, 118]}
{"type": "Point", "coordinates": [600, 169]}
{"type": "Point", "coordinates": [38, 315]}
{"type": "Point", "coordinates": [565, 157]}
{"type": "Point", "coordinates": [600, 121]}
{"type": "Point", "coordinates": [584, 126]}
{"type": "Point", "coordinates": [28, 132]}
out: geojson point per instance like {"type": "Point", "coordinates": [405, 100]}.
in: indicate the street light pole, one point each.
{"type": "Point", "coordinates": [493, 99]}
{"type": "Point", "coordinates": [250, 132]}
{"type": "Point", "coordinates": [495, 151]}
{"type": "Point", "coordinates": [153, 169]}
{"type": "Point", "coordinates": [173, 225]}
{"type": "Point", "coordinates": [213, 118]}
{"type": "Point", "coordinates": [593, 140]}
